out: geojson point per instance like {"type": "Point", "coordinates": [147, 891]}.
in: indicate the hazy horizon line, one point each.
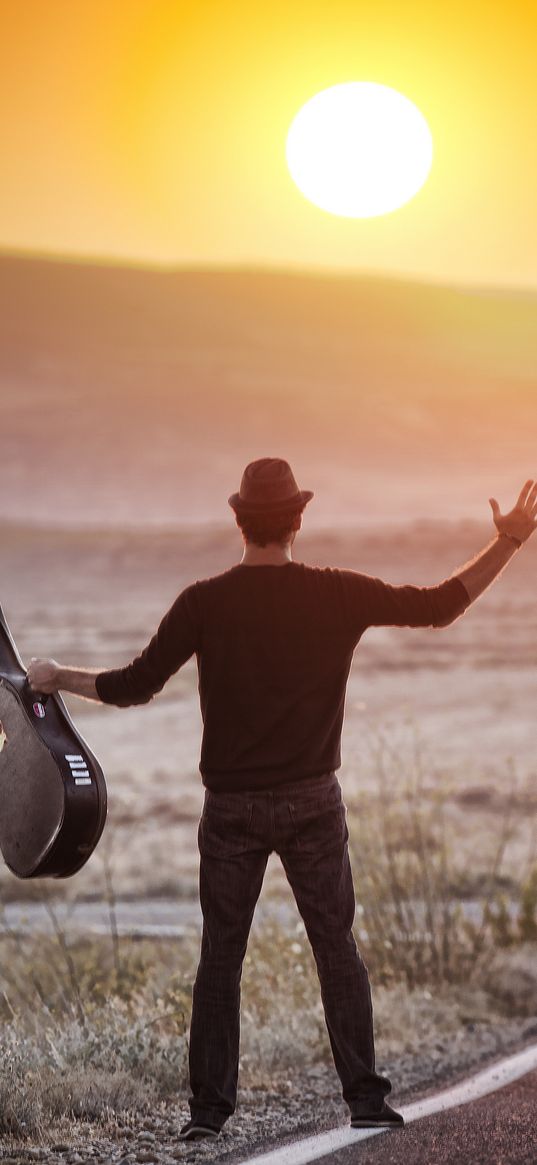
{"type": "Point", "coordinates": [219, 527]}
{"type": "Point", "coordinates": [72, 258]}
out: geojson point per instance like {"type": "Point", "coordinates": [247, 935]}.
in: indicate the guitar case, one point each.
{"type": "Point", "coordinates": [52, 788]}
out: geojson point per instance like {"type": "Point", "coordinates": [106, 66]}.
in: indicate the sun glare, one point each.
{"type": "Point", "coordinates": [359, 149]}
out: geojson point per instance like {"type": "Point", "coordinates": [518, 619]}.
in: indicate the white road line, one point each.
{"type": "Point", "coordinates": [489, 1080]}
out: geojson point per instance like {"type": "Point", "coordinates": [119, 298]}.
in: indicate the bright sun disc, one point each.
{"type": "Point", "coordinates": [359, 149]}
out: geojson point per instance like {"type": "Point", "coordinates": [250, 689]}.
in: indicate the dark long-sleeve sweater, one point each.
{"type": "Point", "coordinates": [274, 646]}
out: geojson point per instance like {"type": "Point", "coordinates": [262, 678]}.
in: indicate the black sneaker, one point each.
{"type": "Point", "coordinates": [195, 1129]}
{"type": "Point", "coordinates": [364, 1116]}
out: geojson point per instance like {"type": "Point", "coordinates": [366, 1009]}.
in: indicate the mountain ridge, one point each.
{"type": "Point", "coordinates": [130, 391]}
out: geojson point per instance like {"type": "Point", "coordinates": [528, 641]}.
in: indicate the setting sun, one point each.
{"type": "Point", "coordinates": [359, 149]}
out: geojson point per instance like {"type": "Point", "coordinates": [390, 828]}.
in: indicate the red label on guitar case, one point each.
{"type": "Point", "coordinates": [39, 709]}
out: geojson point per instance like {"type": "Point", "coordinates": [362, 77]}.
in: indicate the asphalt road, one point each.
{"type": "Point", "coordinates": [498, 1129]}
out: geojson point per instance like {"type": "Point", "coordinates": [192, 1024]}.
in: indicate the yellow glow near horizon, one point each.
{"type": "Point", "coordinates": [359, 149]}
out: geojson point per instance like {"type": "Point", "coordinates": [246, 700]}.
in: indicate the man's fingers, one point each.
{"type": "Point", "coordinates": [530, 500]}
{"type": "Point", "coordinates": [494, 507]}
{"type": "Point", "coordinates": [524, 493]}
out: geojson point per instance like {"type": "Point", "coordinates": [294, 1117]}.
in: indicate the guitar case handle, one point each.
{"type": "Point", "coordinates": [39, 697]}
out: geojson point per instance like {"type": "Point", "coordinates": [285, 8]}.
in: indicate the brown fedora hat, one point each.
{"type": "Point", "coordinates": [269, 485]}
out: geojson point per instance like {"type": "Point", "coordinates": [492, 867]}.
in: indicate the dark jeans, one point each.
{"type": "Point", "coordinates": [305, 824]}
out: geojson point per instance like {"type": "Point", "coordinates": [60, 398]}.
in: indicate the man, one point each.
{"type": "Point", "coordinates": [274, 641]}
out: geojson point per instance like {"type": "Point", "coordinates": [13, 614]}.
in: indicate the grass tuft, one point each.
{"type": "Point", "coordinates": [414, 923]}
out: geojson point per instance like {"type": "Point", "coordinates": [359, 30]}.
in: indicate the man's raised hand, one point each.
{"type": "Point", "coordinates": [521, 521]}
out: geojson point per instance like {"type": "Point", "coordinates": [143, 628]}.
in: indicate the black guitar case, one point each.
{"type": "Point", "coordinates": [52, 788]}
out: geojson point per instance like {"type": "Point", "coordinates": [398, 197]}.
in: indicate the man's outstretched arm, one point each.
{"type": "Point", "coordinates": [375, 603]}
{"type": "Point", "coordinates": [513, 529]}
{"type": "Point", "coordinates": [172, 644]}
{"type": "Point", "coordinates": [46, 676]}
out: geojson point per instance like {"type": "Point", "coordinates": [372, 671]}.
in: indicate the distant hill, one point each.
{"type": "Point", "coordinates": [130, 394]}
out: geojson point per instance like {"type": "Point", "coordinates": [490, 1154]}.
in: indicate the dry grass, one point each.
{"type": "Point", "coordinates": [96, 1029]}
{"type": "Point", "coordinates": [114, 1046]}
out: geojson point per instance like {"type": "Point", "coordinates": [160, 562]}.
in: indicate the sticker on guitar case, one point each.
{"type": "Point", "coordinates": [39, 710]}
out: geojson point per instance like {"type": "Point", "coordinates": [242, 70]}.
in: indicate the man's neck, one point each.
{"type": "Point", "coordinates": [271, 555]}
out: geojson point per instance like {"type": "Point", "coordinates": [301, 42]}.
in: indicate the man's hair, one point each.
{"type": "Point", "coordinates": [264, 528]}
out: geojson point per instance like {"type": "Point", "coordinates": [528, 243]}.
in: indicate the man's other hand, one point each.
{"type": "Point", "coordinates": [521, 521]}
{"type": "Point", "coordinates": [43, 675]}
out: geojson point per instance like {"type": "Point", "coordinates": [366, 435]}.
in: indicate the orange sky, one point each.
{"type": "Point", "coordinates": [155, 131]}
